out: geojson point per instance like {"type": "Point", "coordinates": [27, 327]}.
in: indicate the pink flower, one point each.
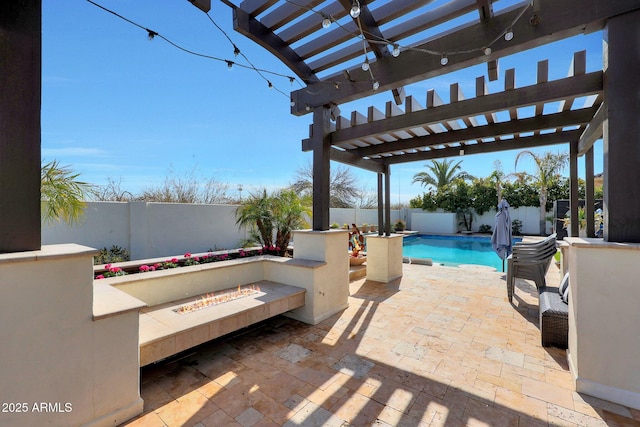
{"type": "Point", "coordinates": [195, 258]}
{"type": "Point", "coordinates": [174, 260]}
{"type": "Point", "coordinates": [187, 255]}
{"type": "Point", "coordinates": [152, 268]}
{"type": "Point", "coordinates": [107, 266]}
{"type": "Point", "coordinates": [144, 268]}
{"type": "Point", "coordinates": [99, 276]}
{"type": "Point", "coordinates": [157, 265]}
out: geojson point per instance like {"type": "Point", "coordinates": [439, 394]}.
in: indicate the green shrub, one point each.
{"type": "Point", "coordinates": [113, 255]}
{"type": "Point", "coordinates": [484, 228]}
{"type": "Point", "coordinates": [399, 225]}
{"type": "Point", "coordinates": [516, 227]}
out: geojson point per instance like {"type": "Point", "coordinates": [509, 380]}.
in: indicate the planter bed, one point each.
{"type": "Point", "coordinates": [283, 284]}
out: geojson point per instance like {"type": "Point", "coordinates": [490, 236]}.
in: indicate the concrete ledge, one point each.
{"type": "Point", "coordinates": [109, 301]}
{"type": "Point", "coordinates": [163, 332]}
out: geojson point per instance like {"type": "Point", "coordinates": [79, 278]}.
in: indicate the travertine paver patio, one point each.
{"type": "Point", "coordinates": [438, 347]}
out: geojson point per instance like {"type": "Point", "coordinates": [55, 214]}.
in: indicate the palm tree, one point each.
{"type": "Point", "coordinates": [289, 214]}
{"type": "Point", "coordinates": [255, 213]}
{"type": "Point", "coordinates": [283, 211]}
{"type": "Point", "coordinates": [442, 174]}
{"type": "Point", "coordinates": [62, 194]}
{"type": "Point", "coordinates": [549, 166]}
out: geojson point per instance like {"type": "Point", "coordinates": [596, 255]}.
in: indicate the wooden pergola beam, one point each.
{"type": "Point", "coordinates": [593, 132]}
{"type": "Point", "coordinates": [489, 147]}
{"type": "Point", "coordinates": [555, 20]}
{"type": "Point", "coordinates": [532, 124]}
{"type": "Point", "coordinates": [247, 25]}
{"type": "Point", "coordinates": [581, 85]}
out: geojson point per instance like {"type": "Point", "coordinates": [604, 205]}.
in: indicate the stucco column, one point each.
{"type": "Point", "coordinates": [328, 289]}
{"type": "Point", "coordinates": [384, 257]}
{"type": "Point", "coordinates": [604, 318]}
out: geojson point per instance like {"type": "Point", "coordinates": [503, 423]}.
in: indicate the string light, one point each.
{"type": "Point", "coordinates": [508, 36]}
{"type": "Point", "coordinates": [395, 52]}
{"type": "Point", "coordinates": [444, 60]}
{"type": "Point", "coordinates": [487, 50]}
{"type": "Point", "coordinates": [326, 22]}
{"type": "Point", "coordinates": [355, 9]}
{"type": "Point", "coordinates": [152, 34]}
{"type": "Point", "coordinates": [376, 85]}
{"type": "Point", "coordinates": [365, 64]}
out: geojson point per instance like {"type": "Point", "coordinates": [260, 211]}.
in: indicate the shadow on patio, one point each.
{"type": "Point", "coordinates": [438, 347]}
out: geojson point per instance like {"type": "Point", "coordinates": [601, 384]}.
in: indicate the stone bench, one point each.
{"type": "Point", "coordinates": [165, 332]}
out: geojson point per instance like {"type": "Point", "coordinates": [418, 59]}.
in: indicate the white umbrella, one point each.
{"type": "Point", "coordinates": [501, 237]}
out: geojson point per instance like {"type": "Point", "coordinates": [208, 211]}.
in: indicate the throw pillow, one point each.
{"type": "Point", "coordinates": [564, 284]}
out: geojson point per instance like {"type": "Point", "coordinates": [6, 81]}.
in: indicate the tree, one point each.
{"type": "Point", "coordinates": [283, 212]}
{"type": "Point", "coordinates": [343, 189]}
{"type": "Point", "coordinates": [549, 165]}
{"type": "Point", "coordinates": [62, 194]}
{"type": "Point", "coordinates": [112, 192]}
{"type": "Point", "coordinates": [442, 173]}
{"type": "Point", "coordinates": [189, 188]}
{"type": "Point", "coordinates": [255, 213]}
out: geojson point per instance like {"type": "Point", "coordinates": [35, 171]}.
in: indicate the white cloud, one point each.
{"type": "Point", "coordinates": [73, 151]}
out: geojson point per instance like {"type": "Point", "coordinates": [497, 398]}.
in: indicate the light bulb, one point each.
{"type": "Point", "coordinates": [355, 9]}
{"type": "Point", "coordinates": [444, 60]}
{"type": "Point", "coordinates": [270, 85]}
{"type": "Point", "coordinates": [508, 36]}
{"type": "Point", "coordinates": [293, 103]}
{"type": "Point", "coordinates": [365, 65]}
{"type": "Point", "coordinates": [487, 51]}
{"type": "Point", "coordinates": [326, 23]}
{"type": "Point", "coordinates": [396, 51]}
{"type": "Point", "coordinates": [376, 85]}
{"type": "Point", "coordinates": [229, 65]}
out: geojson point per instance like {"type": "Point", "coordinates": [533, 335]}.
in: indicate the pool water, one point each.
{"type": "Point", "coordinates": [453, 250]}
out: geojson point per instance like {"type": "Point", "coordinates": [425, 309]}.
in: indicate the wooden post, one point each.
{"type": "Point", "coordinates": [20, 94]}
{"type": "Point", "coordinates": [622, 129]}
{"type": "Point", "coordinates": [321, 168]}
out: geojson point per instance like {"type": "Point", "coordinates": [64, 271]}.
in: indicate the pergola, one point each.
{"type": "Point", "coordinates": [329, 59]}
{"type": "Point", "coordinates": [367, 49]}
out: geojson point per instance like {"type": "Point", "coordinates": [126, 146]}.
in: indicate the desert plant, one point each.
{"type": "Point", "coordinates": [334, 225]}
{"type": "Point", "coordinates": [281, 212]}
{"type": "Point", "coordinates": [113, 255]}
{"type": "Point", "coordinates": [516, 227]}
{"type": "Point", "coordinates": [484, 228]}
{"type": "Point", "coordinates": [399, 225]}
{"type": "Point", "coordinates": [465, 218]}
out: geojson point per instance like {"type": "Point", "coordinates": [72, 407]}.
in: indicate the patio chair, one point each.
{"type": "Point", "coordinates": [530, 261]}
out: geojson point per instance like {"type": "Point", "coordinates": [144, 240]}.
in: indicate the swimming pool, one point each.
{"type": "Point", "coordinates": [453, 250]}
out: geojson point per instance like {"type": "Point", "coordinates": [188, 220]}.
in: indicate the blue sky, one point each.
{"type": "Point", "coordinates": [118, 105]}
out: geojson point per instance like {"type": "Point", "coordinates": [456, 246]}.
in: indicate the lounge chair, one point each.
{"type": "Point", "coordinates": [530, 261]}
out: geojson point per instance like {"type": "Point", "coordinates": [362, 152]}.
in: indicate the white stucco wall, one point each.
{"type": "Point", "coordinates": [604, 319]}
{"type": "Point", "coordinates": [54, 352]}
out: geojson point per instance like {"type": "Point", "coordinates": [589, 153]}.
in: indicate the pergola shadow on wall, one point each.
{"type": "Point", "coordinates": [345, 50]}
